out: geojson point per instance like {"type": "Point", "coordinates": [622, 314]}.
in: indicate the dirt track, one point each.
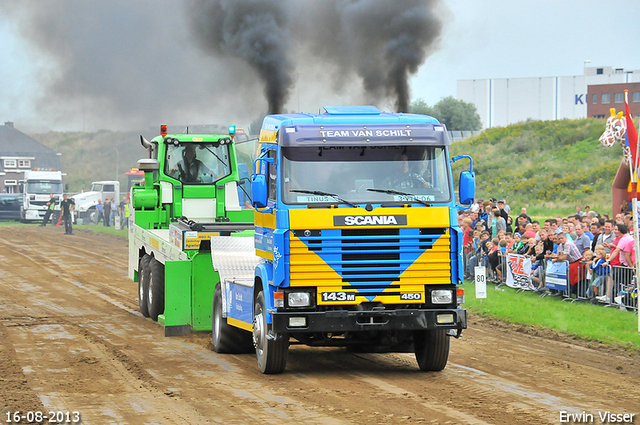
{"type": "Point", "coordinates": [71, 339]}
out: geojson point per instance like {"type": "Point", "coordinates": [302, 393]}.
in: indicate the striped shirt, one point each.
{"type": "Point", "coordinates": [572, 251]}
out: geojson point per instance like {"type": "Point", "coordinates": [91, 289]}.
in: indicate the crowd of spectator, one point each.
{"type": "Point", "coordinates": [592, 244]}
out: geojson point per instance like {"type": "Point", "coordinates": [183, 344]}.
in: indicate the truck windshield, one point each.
{"type": "Point", "coordinates": [419, 173]}
{"type": "Point", "coordinates": [96, 187]}
{"type": "Point", "coordinates": [44, 187]}
{"type": "Point", "coordinates": [197, 162]}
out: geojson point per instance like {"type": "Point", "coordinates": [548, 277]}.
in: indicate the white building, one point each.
{"type": "Point", "coordinates": [504, 101]}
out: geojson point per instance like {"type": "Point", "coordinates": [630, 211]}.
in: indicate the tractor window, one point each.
{"type": "Point", "coordinates": [196, 163]}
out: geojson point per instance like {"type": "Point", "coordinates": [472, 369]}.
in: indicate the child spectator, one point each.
{"type": "Point", "coordinates": [495, 257]}
{"type": "Point", "coordinates": [600, 271]}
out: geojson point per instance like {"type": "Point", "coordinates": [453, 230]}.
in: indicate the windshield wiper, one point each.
{"type": "Point", "coordinates": [321, 193]}
{"type": "Point", "coordinates": [397, 192]}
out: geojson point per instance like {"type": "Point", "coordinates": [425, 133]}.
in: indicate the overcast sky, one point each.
{"type": "Point", "coordinates": [43, 86]}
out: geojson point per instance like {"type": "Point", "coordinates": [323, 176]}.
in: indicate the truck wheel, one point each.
{"type": "Point", "coordinates": [143, 284]}
{"type": "Point", "coordinates": [226, 338]}
{"type": "Point", "coordinates": [92, 215]}
{"type": "Point", "coordinates": [155, 294]}
{"type": "Point", "coordinates": [271, 353]}
{"type": "Point", "coordinates": [432, 349]}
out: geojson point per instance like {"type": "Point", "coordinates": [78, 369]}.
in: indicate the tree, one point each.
{"type": "Point", "coordinates": [457, 114]}
{"type": "Point", "coordinates": [419, 106]}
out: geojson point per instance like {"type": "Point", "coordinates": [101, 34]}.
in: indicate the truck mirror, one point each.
{"type": "Point", "coordinates": [66, 187]}
{"type": "Point", "coordinates": [259, 190]}
{"type": "Point", "coordinates": [467, 187]}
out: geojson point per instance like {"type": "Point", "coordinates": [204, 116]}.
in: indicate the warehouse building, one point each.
{"type": "Point", "coordinates": [504, 101]}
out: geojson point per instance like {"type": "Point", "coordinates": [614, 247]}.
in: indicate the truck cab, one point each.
{"type": "Point", "coordinates": [85, 202]}
{"type": "Point", "coordinates": [38, 188]}
{"type": "Point", "coordinates": [357, 237]}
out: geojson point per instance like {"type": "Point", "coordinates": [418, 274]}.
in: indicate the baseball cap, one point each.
{"type": "Point", "coordinates": [501, 201]}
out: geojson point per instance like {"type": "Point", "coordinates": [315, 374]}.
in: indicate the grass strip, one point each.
{"type": "Point", "coordinates": [582, 319]}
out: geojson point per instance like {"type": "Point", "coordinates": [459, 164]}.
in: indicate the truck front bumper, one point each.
{"type": "Point", "coordinates": [351, 321]}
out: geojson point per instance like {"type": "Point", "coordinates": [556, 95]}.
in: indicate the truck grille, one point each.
{"type": "Point", "coordinates": [372, 260]}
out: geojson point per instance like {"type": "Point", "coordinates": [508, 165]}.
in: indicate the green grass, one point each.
{"type": "Point", "coordinates": [550, 167]}
{"type": "Point", "coordinates": [584, 320]}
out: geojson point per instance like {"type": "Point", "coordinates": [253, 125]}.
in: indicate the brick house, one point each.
{"type": "Point", "coordinates": [602, 97]}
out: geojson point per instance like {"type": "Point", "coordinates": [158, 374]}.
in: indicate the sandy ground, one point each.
{"type": "Point", "coordinates": [72, 340]}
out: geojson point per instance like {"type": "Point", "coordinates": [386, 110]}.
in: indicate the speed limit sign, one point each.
{"type": "Point", "coordinates": [481, 282]}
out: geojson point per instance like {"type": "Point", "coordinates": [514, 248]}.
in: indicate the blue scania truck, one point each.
{"type": "Point", "coordinates": [356, 240]}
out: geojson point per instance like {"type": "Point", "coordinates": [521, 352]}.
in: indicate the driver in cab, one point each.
{"type": "Point", "coordinates": [190, 169]}
{"type": "Point", "coordinates": [405, 178]}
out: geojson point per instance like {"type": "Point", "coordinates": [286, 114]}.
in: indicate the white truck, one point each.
{"type": "Point", "coordinates": [86, 201]}
{"type": "Point", "coordinates": [38, 187]}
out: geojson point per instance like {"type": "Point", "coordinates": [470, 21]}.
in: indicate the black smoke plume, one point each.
{"type": "Point", "coordinates": [130, 64]}
{"type": "Point", "coordinates": [255, 31]}
{"type": "Point", "coordinates": [383, 42]}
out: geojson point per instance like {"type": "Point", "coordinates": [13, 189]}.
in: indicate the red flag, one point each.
{"type": "Point", "coordinates": [631, 134]}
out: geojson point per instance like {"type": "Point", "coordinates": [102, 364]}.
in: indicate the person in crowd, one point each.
{"type": "Point", "coordinates": [495, 257]}
{"type": "Point", "coordinates": [504, 212]}
{"type": "Point", "coordinates": [484, 216]}
{"type": "Point", "coordinates": [600, 273]}
{"type": "Point", "coordinates": [582, 241]}
{"type": "Point", "coordinates": [517, 242]}
{"type": "Point", "coordinates": [531, 252]}
{"type": "Point", "coordinates": [66, 207]}
{"type": "Point", "coordinates": [537, 266]}
{"type": "Point", "coordinates": [579, 211]}
{"type": "Point", "coordinates": [547, 243]}
{"type": "Point", "coordinates": [124, 213]}
{"type": "Point", "coordinates": [525, 245]}
{"type": "Point", "coordinates": [51, 205]}
{"type": "Point", "coordinates": [114, 210]}
{"type": "Point", "coordinates": [607, 236]}
{"type": "Point", "coordinates": [107, 212]}
{"type": "Point", "coordinates": [560, 222]}
{"type": "Point", "coordinates": [553, 226]}
{"type": "Point", "coordinates": [100, 209]}
{"type": "Point", "coordinates": [622, 248]}
{"type": "Point", "coordinates": [535, 225]}
{"type": "Point", "coordinates": [570, 231]}
{"type": "Point", "coordinates": [567, 250]}
{"type": "Point", "coordinates": [595, 231]}
{"type": "Point", "coordinates": [509, 228]}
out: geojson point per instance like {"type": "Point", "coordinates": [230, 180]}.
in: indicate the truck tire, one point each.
{"type": "Point", "coordinates": [155, 294]}
{"type": "Point", "coordinates": [432, 349]}
{"type": "Point", "coordinates": [143, 284]}
{"type": "Point", "coordinates": [91, 216]}
{"type": "Point", "coordinates": [270, 353]}
{"type": "Point", "coordinates": [226, 338]}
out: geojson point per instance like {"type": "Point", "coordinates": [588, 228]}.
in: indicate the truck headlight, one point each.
{"type": "Point", "coordinates": [299, 299]}
{"type": "Point", "coordinates": [442, 296]}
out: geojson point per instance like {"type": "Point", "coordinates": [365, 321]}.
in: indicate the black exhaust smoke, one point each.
{"type": "Point", "coordinates": [254, 31]}
{"type": "Point", "coordinates": [380, 41]}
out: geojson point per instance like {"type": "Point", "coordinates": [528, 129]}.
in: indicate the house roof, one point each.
{"type": "Point", "coordinates": [15, 143]}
